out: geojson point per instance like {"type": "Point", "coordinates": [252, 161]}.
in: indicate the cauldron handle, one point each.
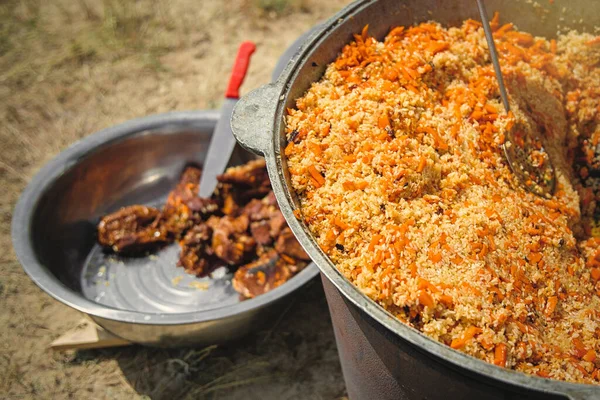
{"type": "Point", "coordinates": [252, 121]}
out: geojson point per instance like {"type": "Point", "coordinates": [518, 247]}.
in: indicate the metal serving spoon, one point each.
{"type": "Point", "coordinates": [537, 176]}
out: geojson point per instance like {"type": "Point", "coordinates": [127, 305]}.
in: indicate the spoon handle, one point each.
{"type": "Point", "coordinates": [493, 53]}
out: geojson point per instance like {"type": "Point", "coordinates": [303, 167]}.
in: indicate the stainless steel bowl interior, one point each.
{"type": "Point", "coordinates": [54, 235]}
{"type": "Point", "coordinates": [263, 110]}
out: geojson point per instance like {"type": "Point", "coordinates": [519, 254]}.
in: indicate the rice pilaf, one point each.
{"type": "Point", "coordinates": [395, 155]}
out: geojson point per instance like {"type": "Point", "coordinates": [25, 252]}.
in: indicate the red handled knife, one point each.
{"type": "Point", "coordinates": [222, 141]}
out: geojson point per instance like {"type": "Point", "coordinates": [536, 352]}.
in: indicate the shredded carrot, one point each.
{"type": "Point", "coordinates": [434, 257]}
{"type": "Point", "coordinates": [471, 332]}
{"type": "Point", "coordinates": [315, 148]}
{"type": "Point", "coordinates": [362, 185]}
{"type": "Point", "coordinates": [374, 241]}
{"type": "Point", "coordinates": [511, 121]}
{"type": "Point", "coordinates": [316, 175]}
{"type": "Point", "coordinates": [446, 300]}
{"type": "Point", "coordinates": [476, 115]}
{"type": "Point", "coordinates": [424, 284]}
{"type": "Point", "coordinates": [389, 86]}
{"type": "Point", "coordinates": [413, 269]}
{"type": "Point", "coordinates": [580, 349]}
{"type": "Point", "coordinates": [504, 28]}
{"type": "Point", "coordinates": [330, 235]}
{"type": "Point", "coordinates": [297, 213]}
{"type": "Point", "coordinates": [349, 185]}
{"type": "Point", "coordinates": [495, 21]}
{"type": "Point", "coordinates": [535, 257]}
{"type": "Point", "coordinates": [472, 289]}
{"type": "Point", "coordinates": [396, 31]}
{"type": "Point", "coordinates": [412, 88]}
{"type": "Point", "coordinates": [422, 164]}
{"type": "Point", "coordinates": [551, 305]}
{"type": "Point", "coordinates": [590, 356]}
{"type": "Point", "coordinates": [435, 48]}
{"type": "Point", "coordinates": [457, 260]}
{"type": "Point", "coordinates": [439, 142]}
{"type": "Point", "coordinates": [491, 109]}
{"type": "Point", "coordinates": [426, 299]}
{"type": "Point", "coordinates": [384, 121]}
{"type": "Point", "coordinates": [492, 243]}
{"type": "Point", "coordinates": [522, 38]}
{"type": "Point", "coordinates": [398, 246]}
{"type": "Point", "coordinates": [500, 355]}
{"type": "Point", "coordinates": [553, 46]}
{"type": "Point", "coordinates": [594, 41]}
{"type": "Point", "coordinates": [341, 224]}
{"type": "Point", "coordinates": [543, 373]}
{"type": "Point", "coordinates": [365, 32]}
{"type": "Point", "coordinates": [408, 223]}
{"type": "Point", "coordinates": [384, 136]}
{"type": "Point", "coordinates": [390, 74]}
{"type": "Point", "coordinates": [289, 149]}
{"type": "Point", "coordinates": [454, 130]}
{"type": "Point", "coordinates": [405, 73]}
{"type": "Point", "coordinates": [468, 334]}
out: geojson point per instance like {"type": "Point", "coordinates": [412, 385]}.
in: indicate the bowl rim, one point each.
{"type": "Point", "coordinates": [21, 228]}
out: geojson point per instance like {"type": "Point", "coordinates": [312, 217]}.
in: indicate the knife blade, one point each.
{"type": "Point", "coordinates": [222, 141]}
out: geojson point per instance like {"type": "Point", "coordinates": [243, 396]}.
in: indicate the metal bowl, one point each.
{"type": "Point", "coordinates": [382, 358]}
{"type": "Point", "coordinates": [144, 300]}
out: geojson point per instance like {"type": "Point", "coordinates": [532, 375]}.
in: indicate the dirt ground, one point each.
{"type": "Point", "coordinates": [69, 68]}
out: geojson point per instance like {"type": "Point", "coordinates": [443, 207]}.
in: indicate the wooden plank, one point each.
{"type": "Point", "coordinates": [87, 335]}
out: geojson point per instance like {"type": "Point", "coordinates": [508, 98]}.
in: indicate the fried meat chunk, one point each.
{"type": "Point", "coordinates": [131, 230]}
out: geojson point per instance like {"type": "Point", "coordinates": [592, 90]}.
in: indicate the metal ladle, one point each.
{"type": "Point", "coordinates": [537, 178]}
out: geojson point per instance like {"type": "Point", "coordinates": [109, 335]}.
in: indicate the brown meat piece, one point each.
{"type": "Point", "coordinates": [294, 266]}
{"type": "Point", "coordinates": [254, 193]}
{"type": "Point", "coordinates": [270, 199]}
{"type": "Point", "coordinates": [262, 275]}
{"type": "Point", "coordinates": [184, 208]}
{"type": "Point", "coordinates": [251, 174]}
{"type": "Point", "coordinates": [190, 175]}
{"type": "Point", "coordinates": [288, 245]}
{"type": "Point", "coordinates": [232, 199]}
{"type": "Point", "coordinates": [249, 181]}
{"type": "Point", "coordinates": [230, 206]}
{"type": "Point", "coordinates": [277, 223]}
{"type": "Point", "coordinates": [267, 220]}
{"type": "Point", "coordinates": [255, 210]}
{"type": "Point", "coordinates": [131, 230]}
{"type": "Point", "coordinates": [240, 224]}
{"type": "Point", "coordinates": [230, 241]}
{"type": "Point", "coordinates": [258, 210]}
{"type": "Point", "coordinates": [197, 256]}
{"type": "Point", "coordinates": [261, 232]}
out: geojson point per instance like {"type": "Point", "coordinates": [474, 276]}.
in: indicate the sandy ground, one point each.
{"type": "Point", "coordinates": [69, 68]}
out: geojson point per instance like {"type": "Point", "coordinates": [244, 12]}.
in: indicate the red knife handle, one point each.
{"type": "Point", "coordinates": [239, 70]}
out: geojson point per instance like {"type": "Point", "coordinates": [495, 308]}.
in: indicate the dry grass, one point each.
{"type": "Point", "coordinates": [275, 8]}
{"type": "Point", "coordinates": [69, 68]}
